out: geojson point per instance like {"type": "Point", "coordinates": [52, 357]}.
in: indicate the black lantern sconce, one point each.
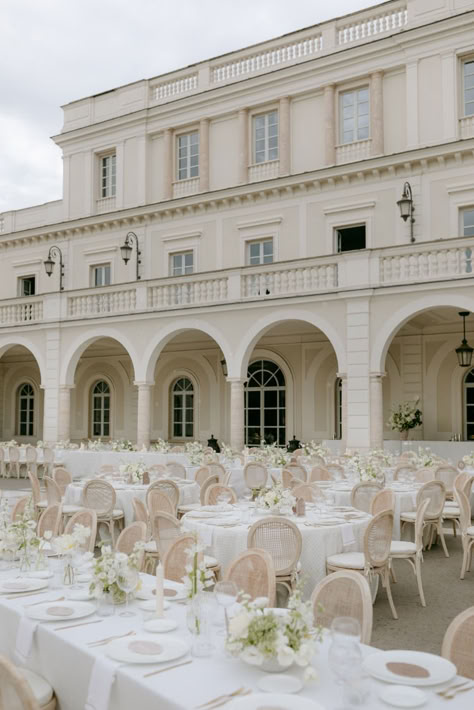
{"type": "Point", "coordinates": [464, 351]}
{"type": "Point", "coordinates": [127, 248]}
{"type": "Point", "coordinates": [224, 368]}
{"type": "Point", "coordinates": [55, 252]}
{"type": "Point", "coordinates": [407, 207]}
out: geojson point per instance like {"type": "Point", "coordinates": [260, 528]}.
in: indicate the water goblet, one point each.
{"type": "Point", "coordinates": [127, 582]}
{"type": "Point", "coordinates": [226, 595]}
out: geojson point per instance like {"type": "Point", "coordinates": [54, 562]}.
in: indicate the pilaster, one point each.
{"type": "Point", "coordinates": [168, 164]}
{"type": "Point", "coordinates": [285, 136]}
{"type": "Point", "coordinates": [237, 437]}
{"type": "Point", "coordinates": [243, 146]}
{"type": "Point", "coordinates": [376, 113]}
{"type": "Point", "coordinates": [204, 155]}
{"type": "Point", "coordinates": [329, 125]}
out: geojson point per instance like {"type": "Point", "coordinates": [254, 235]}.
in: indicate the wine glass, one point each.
{"type": "Point", "coordinates": [344, 654]}
{"type": "Point", "coordinates": [127, 582]}
{"type": "Point", "coordinates": [76, 561]}
{"type": "Point", "coordinates": [226, 595]}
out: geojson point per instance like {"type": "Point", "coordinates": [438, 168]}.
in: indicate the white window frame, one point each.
{"type": "Point", "coordinates": [463, 225]}
{"type": "Point", "coordinates": [184, 143]}
{"type": "Point", "coordinates": [182, 254]}
{"type": "Point", "coordinates": [266, 137]}
{"type": "Point", "coordinates": [30, 410]}
{"type": "Point", "coordinates": [93, 274]}
{"type": "Point", "coordinates": [182, 395]}
{"type": "Point", "coordinates": [260, 242]}
{"type": "Point", "coordinates": [348, 226]}
{"type": "Point", "coordinates": [23, 278]}
{"type": "Point", "coordinates": [468, 60]}
{"type": "Point", "coordinates": [108, 175]}
{"type": "Point", "coordinates": [355, 131]}
{"type": "Point", "coordinates": [102, 422]}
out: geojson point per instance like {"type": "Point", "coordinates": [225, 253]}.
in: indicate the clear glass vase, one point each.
{"type": "Point", "coordinates": [197, 619]}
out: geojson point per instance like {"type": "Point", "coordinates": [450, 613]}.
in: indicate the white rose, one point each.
{"type": "Point", "coordinates": [285, 656]}
{"type": "Point", "coordinates": [305, 654]}
{"type": "Point", "coordinates": [239, 624]}
{"type": "Point", "coordinates": [310, 674]}
{"type": "Point", "coordinates": [252, 656]}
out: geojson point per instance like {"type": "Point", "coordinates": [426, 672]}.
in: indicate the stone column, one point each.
{"type": "Point", "coordinates": [376, 410]}
{"type": "Point", "coordinates": [358, 355]}
{"type": "Point", "coordinates": [64, 406]}
{"type": "Point", "coordinates": [329, 125]}
{"type": "Point", "coordinates": [236, 413]}
{"type": "Point", "coordinates": [376, 113]}
{"type": "Point", "coordinates": [168, 164]}
{"type": "Point", "coordinates": [243, 146]}
{"type": "Point", "coordinates": [143, 414]}
{"type": "Point", "coordinates": [285, 136]}
{"type": "Point", "coordinates": [343, 378]}
{"type": "Point", "coordinates": [204, 155]}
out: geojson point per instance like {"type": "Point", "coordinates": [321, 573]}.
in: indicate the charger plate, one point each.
{"type": "Point", "coordinates": [61, 611]}
{"type": "Point", "coordinates": [142, 649]}
{"type": "Point", "coordinates": [409, 667]}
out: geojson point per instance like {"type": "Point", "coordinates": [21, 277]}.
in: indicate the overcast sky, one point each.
{"type": "Point", "coordinates": [56, 51]}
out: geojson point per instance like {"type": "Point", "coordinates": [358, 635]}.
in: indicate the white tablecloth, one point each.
{"type": "Point", "coordinates": [65, 660]}
{"type": "Point", "coordinates": [188, 493]}
{"type": "Point", "coordinates": [83, 464]}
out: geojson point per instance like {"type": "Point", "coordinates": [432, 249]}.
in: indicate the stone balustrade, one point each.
{"type": "Point", "coordinates": [97, 302]}
{"type": "Point", "coordinates": [350, 152]}
{"type": "Point", "coordinates": [466, 127]}
{"type": "Point", "coordinates": [166, 90]}
{"type": "Point", "coordinates": [365, 27]}
{"type": "Point", "coordinates": [185, 187]}
{"type": "Point", "coordinates": [426, 263]}
{"type": "Point", "coordinates": [282, 280]}
{"type": "Point", "coordinates": [21, 311]}
{"type": "Point", "coordinates": [188, 291]}
{"type": "Point", "coordinates": [264, 171]}
{"type": "Point", "coordinates": [105, 204]}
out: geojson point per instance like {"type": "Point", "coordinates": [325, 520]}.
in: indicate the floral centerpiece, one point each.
{"type": "Point", "coordinates": [382, 457]}
{"type": "Point", "coordinates": [109, 567]}
{"type": "Point", "coordinates": [367, 468]}
{"type": "Point", "coordinates": [469, 459]}
{"type": "Point", "coordinates": [134, 471]}
{"type": "Point", "coordinates": [425, 457]}
{"type": "Point", "coordinates": [262, 638]}
{"type": "Point", "coordinates": [67, 545]}
{"type": "Point", "coordinates": [405, 417]}
{"type": "Point", "coordinates": [95, 445]}
{"type": "Point", "coordinates": [160, 445]}
{"type": "Point", "coordinates": [19, 537]}
{"type": "Point", "coordinates": [271, 455]}
{"type": "Point", "coordinates": [227, 452]}
{"type": "Point", "coordinates": [65, 444]}
{"type": "Point", "coordinates": [195, 452]}
{"type": "Point", "coordinates": [5, 444]}
{"type": "Point", "coordinates": [276, 499]}
{"type": "Point", "coordinates": [123, 445]}
{"type": "Point", "coordinates": [312, 448]}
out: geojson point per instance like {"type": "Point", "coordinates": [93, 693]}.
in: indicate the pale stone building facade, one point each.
{"type": "Point", "coordinates": [278, 291]}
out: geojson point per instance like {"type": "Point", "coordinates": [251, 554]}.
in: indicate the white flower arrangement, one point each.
{"type": "Point", "coordinates": [160, 445]}
{"type": "Point", "coordinates": [5, 444]}
{"type": "Point", "coordinates": [65, 444]}
{"type": "Point", "coordinates": [198, 577]}
{"type": "Point", "coordinates": [380, 457]}
{"type": "Point", "coordinates": [406, 416]}
{"type": "Point", "coordinates": [195, 452]}
{"type": "Point", "coordinates": [123, 445]}
{"type": "Point", "coordinates": [110, 567]}
{"type": "Point", "coordinates": [18, 536]}
{"type": "Point", "coordinates": [227, 452]}
{"type": "Point", "coordinates": [134, 471]}
{"type": "Point", "coordinates": [469, 459]}
{"type": "Point", "coordinates": [312, 448]}
{"type": "Point", "coordinates": [95, 445]}
{"type": "Point", "coordinates": [366, 467]}
{"type": "Point", "coordinates": [271, 455]}
{"type": "Point", "coordinates": [425, 457]}
{"type": "Point", "coordinates": [257, 635]}
{"type": "Point", "coordinates": [276, 499]}
{"type": "Point", "coordinates": [68, 544]}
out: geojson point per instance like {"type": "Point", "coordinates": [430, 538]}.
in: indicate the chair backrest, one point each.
{"type": "Point", "coordinates": [458, 643]}
{"type": "Point", "coordinates": [139, 510]}
{"type": "Point", "coordinates": [177, 450]}
{"type": "Point", "coordinates": [216, 469]}
{"type": "Point", "coordinates": [424, 474]}
{"type": "Point", "coordinates": [35, 487]}
{"type": "Point", "coordinates": [157, 468]}
{"type": "Point", "coordinates": [31, 454]}
{"type": "Point", "coordinates": [100, 496]}
{"type": "Point", "coordinates": [378, 539]}
{"type": "Point", "coordinates": [419, 523]}
{"type": "Point", "coordinates": [88, 518]}
{"type": "Point", "coordinates": [13, 454]}
{"type": "Point", "coordinates": [319, 473]}
{"type": "Point", "coordinates": [19, 507]}
{"type": "Point", "coordinates": [48, 454]}
{"type": "Point", "coordinates": [210, 481]}
{"type": "Point", "coordinates": [446, 473]}
{"type": "Point", "coordinates": [363, 493]}
{"type": "Point", "coordinates": [461, 480]}
{"type": "Point", "coordinates": [281, 538]}
{"type": "Point", "coordinates": [254, 574]}
{"type": "Point", "coordinates": [344, 593]}
{"type": "Point", "coordinates": [158, 501]}
{"type": "Point", "coordinates": [201, 474]}
{"type": "Point", "coordinates": [176, 469]}
{"type": "Point", "coordinates": [238, 457]}
{"type": "Point", "coordinates": [255, 475]}
{"type": "Point", "coordinates": [63, 478]}
{"type": "Point", "coordinates": [297, 471]}
{"type": "Point", "coordinates": [176, 559]}
{"type": "Point", "coordinates": [53, 492]}
{"type": "Point", "coordinates": [436, 492]}
{"type": "Point", "coordinates": [166, 529]}
{"type": "Point", "coordinates": [468, 485]}
{"type": "Point", "coordinates": [2, 454]}
{"type": "Point", "coordinates": [133, 533]}
{"type": "Point", "coordinates": [217, 489]}
{"type": "Point", "coordinates": [287, 478]}
{"type": "Point", "coordinates": [464, 510]}
{"type": "Point", "coordinates": [50, 520]}
{"type": "Point", "coordinates": [305, 491]}
{"type": "Point", "coordinates": [15, 691]}
{"type": "Point", "coordinates": [170, 488]}
{"type": "Point", "coordinates": [383, 500]}
{"type": "Point", "coordinates": [336, 470]}
{"type": "Point", "coordinates": [405, 469]}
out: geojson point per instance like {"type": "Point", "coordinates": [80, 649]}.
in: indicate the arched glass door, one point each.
{"type": "Point", "coordinates": [265, 404]}
{"type": "Point", "coordinates": [101, 409]}
{"type": "Point", "coordinates": [469, 406]}
{"type": "Point", "coordinates": [182, 406]}
{"type": "Point", "coordinates": [26, 410]}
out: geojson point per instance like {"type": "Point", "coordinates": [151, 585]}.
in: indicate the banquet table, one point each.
{"type": "Point", "coordinates": [225, 540]}
{"type": "Point", "coordinates": [65, 660]}
{"type": "Point", "coordinates": [188, 493]}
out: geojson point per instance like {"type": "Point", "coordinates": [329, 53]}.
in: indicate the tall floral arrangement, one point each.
{"type": "Point", "coordinates": [406, 416]}
{"type": "Point", "coordinates": [160, 445]}
{"type": "Point", "coordinates": [367, 467]}
{"type": "Point", "coordinates": [312, 448]}
{"type": "Point", "coordinates": [198, 577]}
{"type": "Point", "coordinates": [19, 537]}
{"type": "Point", "coordinates": [134, 471]}
{"type": "Point", "coordinates": [110, 567]}
{"type": "Point", "coordinates": [276, 499]}
{"type": "Point", "coordinates": [195, 452]}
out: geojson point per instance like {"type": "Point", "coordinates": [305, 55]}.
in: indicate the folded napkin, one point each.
{"type": "Point", "coordinates": [348, 538]}
{"type": "Point", "coordinates": [100, 684]}
{"type": "Point", "coordinates": [24, 638]}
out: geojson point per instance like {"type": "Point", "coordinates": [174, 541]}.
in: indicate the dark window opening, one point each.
{"type": "Point", "coordinates": [351, 238]}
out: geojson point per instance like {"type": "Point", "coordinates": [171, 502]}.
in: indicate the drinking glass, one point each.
{"type": "Point", "coordinates": [345, 656]}
{"type": "Point", "coordinates": [77, 560]}
{"type": "Point", "coordinates": [127, 582]}
{"type": "Point", "coordinates": [346, 628]}
{"type": "Point", "coordinates": [226, 595]}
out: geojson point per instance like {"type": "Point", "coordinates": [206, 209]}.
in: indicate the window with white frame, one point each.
{"type": "Point", "coordinates": [100, 409]}
{"type": "Point", "coordinates": [25, 410]}
{"type": "Point", "coordinates": [468, 86]}
{"type": "Point", "coordinates": [468, 222]}
{"type": "Point", "coordinates": [100, 275]}
{"type": "Point", "coordinates": [182, 409]}
{"type": "Point", "coordinates": [265, 133]}
{"type": "Point", "coordinates": [108, 175]}
{"type": "Point", "coordinates": [188, 156]}
{"type": "Point", "coordinates": [354, 115]}
{"type": "Point", "coordinates": [181, 263]}
{"type": "Point", "coordinates": [260, 252]}
{"type": "Point", "coordinates": [27, 286]}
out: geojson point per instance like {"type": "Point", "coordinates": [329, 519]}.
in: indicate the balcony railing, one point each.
{"type": "Point", "coordinates": [359, 29]}
{"type": "Point", "coordinates": [466, 126]}
{"type": "Point", "coordinates": [264, 171]}
{"type": "Point", "coordinates": [350, 152]}
{"type": "Point", "coordinates": [105, 204]}
{"type": "Point", "coordinates": [185, 187]}
{"type": "Point", "coordinates": [421, 263]}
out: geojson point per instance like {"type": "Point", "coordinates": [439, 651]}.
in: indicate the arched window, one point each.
{"type": "Point", "coordinates": [338, 408]}
{"type": "Point", "coordinates": [26, 410]}
{"type": "Point", "coordinates": [469, 405]}
{"type": "Point", "coordinates": [101, 409]}
{"type": "Point", "coordinates": [182, 409]}
{"type": "Point", "coordinates": [265, 407]}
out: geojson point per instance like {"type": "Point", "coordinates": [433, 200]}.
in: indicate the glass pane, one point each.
{"type": "Point", "coordinates": [363, 134]}
{"type": "Point", "coordinates": [470, 395]}
{"type": "Point", "coordinates": [270, 398]}
{"type": "Point", "coordinates": [347, 98]}
{"type": "Point", "coordinates": [254, 399]}
{"type": "Point", "coordinates": [271, 417]}
{"type": "Point", "coordinates": [363, 95]}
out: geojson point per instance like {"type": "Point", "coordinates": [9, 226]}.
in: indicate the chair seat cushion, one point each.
{"type": "Point", "coordinates": [70, 509]}
{"type": "Point", "coordinates": [470, 530]}
{"type": "Point", "coordinates": [450, 504]}
{"type": "Point", "coordinates": [451, 512]}
{"type": "Point", "coordinates": [347, 560]}
{"type": "Point", "coordinates": [117, 513]}
{"type": "Point", "coordinates": [409, 516]}
{"type": "Point", "coordinates": [40, 687]}
{"type": "Point", "coordinates": [402, 547]}
{"type": "Point", "coordinates": [151, 546]}
{"type": "Point", "coordinates": [210, 561]}
{"type": "Point", "coordinates": [42, 504]}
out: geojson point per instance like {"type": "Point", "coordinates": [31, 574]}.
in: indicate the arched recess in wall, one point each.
{"type": "Point", "coordinates": [74, 351]}
{"type": "Point", "coordinates": [183, 407]}
{"type": "Point", "coordinates": [19, 365]}
{"type": "Point", "coordinates": [319, 387]}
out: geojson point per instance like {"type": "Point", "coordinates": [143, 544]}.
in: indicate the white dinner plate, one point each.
{"type": "Point", "coordinates": [403, 696]}
{"type": "Point", "coordinates": [430, 669]}
{"type": "Point", "coordinates": [279, 683]}
{"type": "Point", "coordinates": [275, 701]}
{"type": "Point", "coordinates": [39, 574]}
{"type": "Point", "coordinates": [160, 626]}
{"type": "Point", "coordinates": [61, 611]}
{"type": "Point", "coordinates": [142, 649]}
{"type": "Point", "coordinates": [22, 584]}
{"type": "Point", "coordinates": [150, 605]}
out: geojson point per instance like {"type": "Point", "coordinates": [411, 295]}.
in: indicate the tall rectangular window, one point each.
{"type": "Point", "coordinates": [468, 85]}
{"type": "Point", "coordinates": [265, 129]}
{"type": "Point", "coordinates": [188, 156]}
{"type": "Point", "coordinates": [100, 275]}
{"type": "Point", "coordinates": [181, 263]}
{"type": "Point", "coordinates": [354, 115]}
{"type": "Point", "coordinates": [27, 286]}
{"type": "Point", "coordinates": [260, 252]}
{"type": "Point", "coordinates": [108, 175]}
{"type": "Point", "coordinates": [468, 222]}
